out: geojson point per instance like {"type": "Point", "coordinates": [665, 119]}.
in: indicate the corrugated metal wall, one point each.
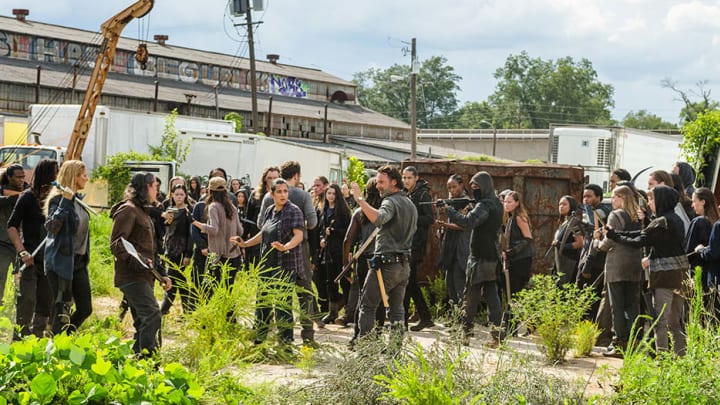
{"type": "Point", "coordinates": [540, 186]}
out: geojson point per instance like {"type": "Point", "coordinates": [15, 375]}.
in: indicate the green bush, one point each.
{"type": "Point", "coordinates": [584, 338]}
{"type": "Point", "coordinates": [82, 369]}
{"type": "Point", "coordinates": [553, 312]}
{"type": "Point", "coordinates": [117, 174]}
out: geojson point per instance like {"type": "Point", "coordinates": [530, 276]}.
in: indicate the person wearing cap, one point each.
{"type": "Point", "coordinates": [223, 222]}
{"type": "Point", "coordinates": [132, 223]}
{"type": "Point", "coordinates": [485, 220]}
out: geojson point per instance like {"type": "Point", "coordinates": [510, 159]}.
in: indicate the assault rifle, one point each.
{"type": "Point", "coordinates": [457, 203]}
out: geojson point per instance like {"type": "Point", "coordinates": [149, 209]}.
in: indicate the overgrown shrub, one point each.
{"type": "Point", "coordinates": [553, 312]}
{"type": "Point", "coordinates": [117, 174]}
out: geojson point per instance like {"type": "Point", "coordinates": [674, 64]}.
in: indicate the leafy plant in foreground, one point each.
{"type": "Point", "coordinates": [552, 311]}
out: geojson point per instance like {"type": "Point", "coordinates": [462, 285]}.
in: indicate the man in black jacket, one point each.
{"type": "Point", "coordinates": [419, 191]}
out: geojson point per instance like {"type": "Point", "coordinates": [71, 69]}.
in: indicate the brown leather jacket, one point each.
{"type": "Point", "coordinates": [133, 224]}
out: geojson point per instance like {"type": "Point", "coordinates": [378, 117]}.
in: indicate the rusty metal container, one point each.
{"type": "Point", "coordinates": [540, 186]}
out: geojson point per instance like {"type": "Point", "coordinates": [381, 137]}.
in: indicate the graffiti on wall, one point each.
{"type": "Point", "coordinates": [34, 48]}
{"type": "Point", "coordinates": [287, 86]}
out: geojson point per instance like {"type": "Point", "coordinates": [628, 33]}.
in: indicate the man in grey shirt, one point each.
{"type": "Point", "coordinates": [397, 220]}
{"type": "Point", "coordinates": [290, 172]}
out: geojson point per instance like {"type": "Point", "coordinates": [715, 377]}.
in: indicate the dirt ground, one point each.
{"type": "Point", "coordinates": [596, 372]}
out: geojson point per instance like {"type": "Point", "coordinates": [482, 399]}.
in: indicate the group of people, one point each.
{"type": "Point", "coordinates": [639, 251]}
{"type": "Point", "coordinates": [636, 246]}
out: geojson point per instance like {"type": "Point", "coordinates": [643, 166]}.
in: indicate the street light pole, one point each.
{"type": "Point", "coordinates": [494, 144]}
{"type": "Point", "coordinates": [413, 108]}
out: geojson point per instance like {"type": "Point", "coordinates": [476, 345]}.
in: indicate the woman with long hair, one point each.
{"type": "Point", "coordinates": [703, 203]}
{"type": "Point", "coordinates": [568, 240]}
{"type": "Point", "coordinates": [623, 271]}
{"type": "Point", "coordinates": [67, 250]}
{"type": "Point", "coordinates": [708, 254]}
{"type": "Point", "coordinates": [34, 300]}
{"type": "Point", "coordinates": [519, 252]}
{"type": "Point", "coordinates": [132, 223]}
{"type": "Point", "coordinates": [454, 246]}
{"type": "Point", "coordinates": [334, 222]}
{"type": "Point", "coordinates": [195, 188]}
{"type": "Point", "coordinates": [666, 263]}
{"type": "Point", "coordinates": [178, 246]}
{"type": "Point", "coordinates": [223, 222]}
{"type": "Point", "coordinates": [280, 239]}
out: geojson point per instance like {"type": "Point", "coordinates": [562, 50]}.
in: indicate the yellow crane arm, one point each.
{"type": "Point", "coordinates": [111, 30]}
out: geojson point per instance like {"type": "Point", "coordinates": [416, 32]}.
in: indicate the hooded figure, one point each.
{"type": "Point", "coordinates": [687, 174]}
{"type": "Point", "coordinates": [485, 220]}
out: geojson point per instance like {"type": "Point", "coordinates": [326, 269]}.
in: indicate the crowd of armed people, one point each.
{"type": "Point", "coordinates": [358, 249]}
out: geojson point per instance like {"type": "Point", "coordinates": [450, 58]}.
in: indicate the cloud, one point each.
{"type": "Point", "coordinates": [694, 16]}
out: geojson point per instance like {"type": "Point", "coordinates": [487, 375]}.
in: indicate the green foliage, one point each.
{"type": "Point", "coordinates": [584, 338]}
{"type": "Point", "coordinates": [117, 174]}
{"type": "Point", "coordinates": [419, 382]}
{"type": "Point", "coordinates": [701, 139]}
{"type": "Point", "coordinates": [471, 115]}
{"type": "Point", "coordinates": [534, 93]}
{"type": "Point", "coordinates": [642, 119]}
{"type": "Point", "coordinates": [437, 83]}
{"type": "Point", "coordinates": [171, 147]}
{"type": "Point", "coordinates": [481, 158]}
{"type": "Point", "coordinates": [436, 294]}
{"type": "Point", "coordinates": [692, 378]}
{"type": "Point", "coordinates": [553, 312]}
{"type": "Point", "coordinates": [236, 118]}
{"type": "Point", "coordinates": [101, 264]}
{"type": "Point", "coordinates": [356, 172]}
{"type": "Point", "coordinates": [97, 368]}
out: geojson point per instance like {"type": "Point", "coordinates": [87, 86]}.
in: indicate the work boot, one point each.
{"type": "Point", "coordinates": [422, 325]}
{"type": "Point", "coordinates": [333, 312]}
{"type": "Point", "coordinates": [616, 349]}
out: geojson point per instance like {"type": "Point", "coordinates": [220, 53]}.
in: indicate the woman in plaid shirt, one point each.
{"type": "Point", "coordinates": [280, 238]}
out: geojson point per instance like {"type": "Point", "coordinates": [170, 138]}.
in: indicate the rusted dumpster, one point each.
{"type": "Point", "coordinates": [540, 186]}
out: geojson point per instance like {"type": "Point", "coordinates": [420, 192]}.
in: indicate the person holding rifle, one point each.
{"type": "Point", "coordinates": [454, 245]}
{"type": "Point", "coordinates": [67, 250]}
{"type": "Point", "coordinates": [390, 266]}
{"type": "Point", "coordinates": [132, 223]}
{"type": "Point", "coordinates": [34, 300]}
{"type": "Point", "coordinates": [485, 220]}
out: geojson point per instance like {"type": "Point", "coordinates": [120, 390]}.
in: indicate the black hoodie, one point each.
{"type": "Point", "coordinates": [687, 174]}
{"type": "Point", "coordinates": [421, 193]}
{"type": "Point", "coordinates": [665, 236]}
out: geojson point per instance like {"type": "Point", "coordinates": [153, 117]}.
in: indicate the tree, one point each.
{"type": "Point", "coordinates": [534, 93]}
{"type": "Point", "coordinates": [237, 118]}
{"type": "Point", "coordinates": [645, 120]}
{"type": "Point", "coordinates": [701, 140]}
{"type": "Point", "coordinates": [171, 147]}
{"type": "Point", "coordinates": [471, 115]}
{"type": "Point", "coordinates": [692, 109]}
{"type": "Point", "coordinates": [437, 83]}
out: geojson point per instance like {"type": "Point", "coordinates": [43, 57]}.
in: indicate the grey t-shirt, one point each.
{"type": "Point", "coordinates": [397, 220]}
{"type": "Point", "coordinates": [83, 230]}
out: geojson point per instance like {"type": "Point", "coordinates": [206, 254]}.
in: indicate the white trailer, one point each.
{"type": "Point", "coordinates": [246, 155]}
{"type": "Point", "coordinates": [112, 131]}
{"type": "Point", "coordinates": [600, 150]}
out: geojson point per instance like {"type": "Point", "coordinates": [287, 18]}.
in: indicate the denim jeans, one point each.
{"type": "Point", "coordinates": [395, 278]}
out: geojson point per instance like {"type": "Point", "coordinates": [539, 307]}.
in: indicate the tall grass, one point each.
{"type": "Point", "coordinates": [663, 377]}
{"type": "Point", "coordinates": [101, 258]}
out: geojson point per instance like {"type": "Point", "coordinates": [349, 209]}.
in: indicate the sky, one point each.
{"type": "Point", "coordinates": [633, 44]}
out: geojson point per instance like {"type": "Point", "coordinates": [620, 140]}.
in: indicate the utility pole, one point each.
{"type": "Point", "coordinates": [253, 79]}
{"type": "Point", "coordinates": [413, 96]}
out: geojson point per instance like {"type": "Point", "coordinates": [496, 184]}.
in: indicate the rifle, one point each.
{"type": "Point", "coordinates": [456, 203]}
{"type": "Point", "coordinates": [357, 255]}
